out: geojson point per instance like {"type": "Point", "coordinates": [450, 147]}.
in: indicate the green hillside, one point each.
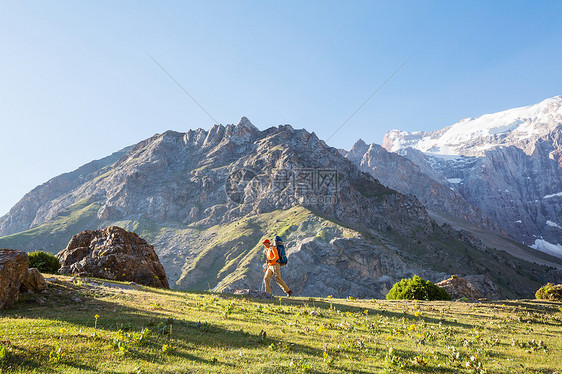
{"type": "Point", "coordinates": [54, 235]}
{"type": "Point", "coordinates": [229, 252]}
{"type": "Point", "coordinates": [80, 327]}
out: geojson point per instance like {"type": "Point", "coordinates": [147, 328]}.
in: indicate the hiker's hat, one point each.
{"type": "Point", "coordinates": [266, 241]}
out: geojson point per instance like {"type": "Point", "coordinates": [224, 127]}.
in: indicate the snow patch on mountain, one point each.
{"type": "Point", "coordinates": [544, 246]}
{"type": "Point", "coordinates": [559, 194]}
{"type": "Point", "coordinates": [474, 136]}
{"type": "Point", "coordinates": [553, 224]}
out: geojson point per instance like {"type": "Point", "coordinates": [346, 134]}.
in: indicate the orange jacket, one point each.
{"type": "Point", "coordinates": [272, 255]}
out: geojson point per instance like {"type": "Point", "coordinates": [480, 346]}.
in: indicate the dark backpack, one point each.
{"type": "Point", "coordinates": [278, 243]}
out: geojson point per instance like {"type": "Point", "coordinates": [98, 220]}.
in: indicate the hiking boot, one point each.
{"type": "Point", "coordinates": [289, 293]}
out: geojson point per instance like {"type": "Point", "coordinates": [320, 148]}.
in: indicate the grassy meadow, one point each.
{"type": "Point", "coordinates": [80, 327]}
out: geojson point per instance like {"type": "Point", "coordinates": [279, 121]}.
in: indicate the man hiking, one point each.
{"type": "Point", "coordinates": [273, 269]}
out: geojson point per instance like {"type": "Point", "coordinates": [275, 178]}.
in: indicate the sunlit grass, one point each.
{"type": "Point", "coordinates": [87, 329]}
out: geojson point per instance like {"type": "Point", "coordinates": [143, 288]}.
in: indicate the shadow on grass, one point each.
{"type": "Point", "coordinates": [20, 359]}
{"type": "Point", "coordinates": [537, 306]}
{"type": "Point", "coordinates": [78, 304]}
{"type": "Point", "coordinates": [326, 305]}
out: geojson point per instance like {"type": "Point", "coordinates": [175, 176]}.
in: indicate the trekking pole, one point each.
{"type": "Point", "coordinates": [262, 284]}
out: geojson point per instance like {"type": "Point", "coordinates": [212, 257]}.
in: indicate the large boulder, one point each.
{"type": "Point", "coordinates": [459, 288]}
{"type": "Point", "coordinates": [115, 254]}
{"type": "Point", "coordinates": [34, 281]}
{"type": "Point", "coordinates": [13, 270]}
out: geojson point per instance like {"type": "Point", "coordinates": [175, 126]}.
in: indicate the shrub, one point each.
{"type": "Point", "coordinates": [416, 288]}
{"type": "Point", "coordinates": [550, 292]}
{"type": "Point", "coordinates": [44, 262]}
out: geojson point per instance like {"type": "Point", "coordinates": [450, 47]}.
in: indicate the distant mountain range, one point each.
{"type": "Point", "coordinates": [508, 164]}
{"type": "Point", "coordinates": [525, 128]}
{"type": "Point", "coordinates": [207, 198]}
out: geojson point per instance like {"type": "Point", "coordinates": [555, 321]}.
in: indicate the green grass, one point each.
{"type": "Point", "coordinates": [204, 332]}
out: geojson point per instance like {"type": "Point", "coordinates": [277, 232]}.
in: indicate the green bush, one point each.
{"type": "Point", "coordinates": [44, 262]}
{"type": "Point", "coordinates": [550, 292]}
{"type": "Point", "coordinates": [416, 288]}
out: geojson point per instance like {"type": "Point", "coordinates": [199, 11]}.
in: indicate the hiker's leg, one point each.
{"type": "Point", "coordinates": [267, 279]}
{"type": "Point", "coordinates": [277, 274]}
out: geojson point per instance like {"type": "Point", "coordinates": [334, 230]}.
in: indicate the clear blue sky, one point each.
{"type": "Point", "coordinates": [76, 83]}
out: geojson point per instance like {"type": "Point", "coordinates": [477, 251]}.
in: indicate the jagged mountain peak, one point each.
{"type": "Point", "coordinates": [359, 145]}
{"type": "Point", "coordinates": [355, 154]}
{"type": "Point", "coordinates": [360, 142]}
{"type": "Point", "coordinates": [405, 176]}
{"type": "Point", "coordinates": [196, 165]}
{"type": "Point", "coordinates": [246, 123]}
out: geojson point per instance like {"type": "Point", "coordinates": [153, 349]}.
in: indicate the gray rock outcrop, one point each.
{"type": "Point", "coordinates": [13, 271]}
{"type": "Point", "coordinates": [34, 281]}
{"type": "Point", "coordinates": [459, 288]}
{"type": "Point", "coordinates": [485, 286]}
{"type": "Point", "coordinates": [346, 267]}
{"type": "Point", "coordinates": [115, 254]}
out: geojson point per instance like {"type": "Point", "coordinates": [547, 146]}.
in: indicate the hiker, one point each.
{"type": "Point", "coordinates": [273, 268]}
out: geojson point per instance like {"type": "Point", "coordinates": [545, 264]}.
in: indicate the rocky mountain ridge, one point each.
{"type": "Point", "coordinates": [182, 178]}
{"type": "Point", "coordinates": [403, 175]}
{"type": "Point", "coordinates": [206, 198]}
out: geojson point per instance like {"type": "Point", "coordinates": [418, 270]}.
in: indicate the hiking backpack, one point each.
{"type": "Point", "coordinates": [278, 243]}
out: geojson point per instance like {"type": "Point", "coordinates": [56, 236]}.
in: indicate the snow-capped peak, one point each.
{"type": "Point", "coordinates": [473, 136]}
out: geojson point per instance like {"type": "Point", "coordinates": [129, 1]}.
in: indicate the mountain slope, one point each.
{"type": "Point", "coordinates": [508, 164]}
{"type": "Point", "coordinates": [206, 199]}
{"type": "Point", "coordinates": [32, 209]}
{"type": "Point", "coordinates": [444, 204]}
{"type": "Point", "coordinates": [403, 175]}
